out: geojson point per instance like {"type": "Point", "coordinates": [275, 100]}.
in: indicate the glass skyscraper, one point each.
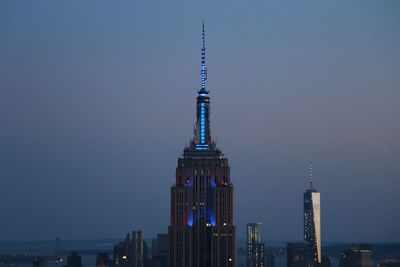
{"type": "Point", "coordinates": [312, 223]}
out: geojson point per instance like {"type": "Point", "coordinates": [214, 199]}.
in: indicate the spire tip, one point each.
{"type": "Point", "coordinates": [203, 90]}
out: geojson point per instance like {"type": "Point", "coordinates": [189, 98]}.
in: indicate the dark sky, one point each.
{"type": "Point", "coordinates": [97, 102]}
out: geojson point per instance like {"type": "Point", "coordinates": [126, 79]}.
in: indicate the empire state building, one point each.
{"type": "Point", "coordinates": [202, 231]}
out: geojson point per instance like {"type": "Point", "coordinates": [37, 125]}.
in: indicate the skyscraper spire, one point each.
{"type": "Point", "coordinates": [311, 176]}
{"type": "Point", "coordinates": [202, 139]}
{"type": "Point", "coordinates": [203, 90]}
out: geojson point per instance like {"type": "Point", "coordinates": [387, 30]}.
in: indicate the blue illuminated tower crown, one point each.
{"type": "Point", "coordinates": [202, 231]}
{"type": "Point", "coordinates": [202, 139]}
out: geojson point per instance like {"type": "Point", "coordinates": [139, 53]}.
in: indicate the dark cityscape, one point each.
{"type": "Point", "coordinates": [178, 134]}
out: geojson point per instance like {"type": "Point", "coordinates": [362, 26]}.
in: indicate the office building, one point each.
{"type": "Point", "coordinates": [40, 262]}
{"type": "Point", "coordinates": [296, 254]}
{"type": "Point", "coordinates": [102, 260]}
{"type": "Point", "coordinates": [269, 258]}
{"type": "Point", "coordinates": [312, 223]}
{"type": "Point", "coordinates": [131, 252]}
{"type": "Point", "coordinates": [202, 231]}
{"type": "Point", "coordinates": [357, 256]}
{"type": "Point", "coordinates": [159, 248]}
{"type": "Point", "coordinates": [74, 260]}
{"type": "Point", "coordinates": [255, 246]}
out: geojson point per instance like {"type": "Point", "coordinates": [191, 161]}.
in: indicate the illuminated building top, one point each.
{"type": "Point", "coordinates": [202, 141]}
{"type": "Point", "coordinates": [202, 231]}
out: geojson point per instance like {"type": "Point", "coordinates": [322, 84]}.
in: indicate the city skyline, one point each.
{"type": "Point", "coordinates": [93, 96]}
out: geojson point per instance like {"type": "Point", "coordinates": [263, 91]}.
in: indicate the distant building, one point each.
{"type": "Point", "coordinates": [255, 246]}
{"type": "Point", "coordinates": [389, 264]}
{"type": "Point", "coordinates": [357, 256]}
{"type": "Point", "coordinates": [325, 262]}
{"type": "Point", "coordinates": [131, 251]}
{"type": "Point", "coordinates": [135, 254]}
{"type": "Point", "coordinates": [102, 260]}
{"type": "Point", "coordinates": [159, 245]}
{"type": "Point", "coordinates": [312, 223]}
{"type": "Point", "coordinates": [74, 260]}
{"type": "Point", "coordinates": [296, 254]}
{"type": "Point", "coordinates": [269, 259]}
{"type": "Point", "coordinates": [57, 249]}
{"type": "Point", "coordinates": [120, 253]}
{"type": "Point", "coordinates": [40, 262]}
{"type": "Point", "coordinates": [146, 253]}
{"type": "Point", "coordinates": [159, 251]}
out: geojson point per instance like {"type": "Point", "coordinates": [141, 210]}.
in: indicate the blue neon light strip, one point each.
{"type": "Point", "coordinates": [213, 183]}
{"type": "Point", "coordinates": [212, 220]}
{"type": "Point", "coordinates": [201, 146]}
{"type": "Point", "coordinates": [203, 61]}
{"type": "Point", "coordinates": [202, 123]}
{"type": "Point", "coordinates": [190, 220]}
{"type": "Point", "coordinates": [203, 76]}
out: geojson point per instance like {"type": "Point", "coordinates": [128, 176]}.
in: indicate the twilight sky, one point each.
{"type": "Point", "coordinates": [97, 101]}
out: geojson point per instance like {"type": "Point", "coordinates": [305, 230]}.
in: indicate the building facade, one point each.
{"type": "Point", "coordinates": [269, 258]}
{"type": "Point", "coordinates": [131, 252]}
{"type": "Point", "coordinates": [102, 260]}
{"type": "Point", "coordinates": [296, 255]}
{"type": "Point", "coordinates": [312, 224]}
{"type": "Point", "coordinates": [40, 262]}
{"type": "Point", "coordinates": [255, 246]}
{"type": "Point", "coordinates": [357, 256]}
{"type": "Point", "coordinates": [159, 251]}
{"type": "Point", "coordinates": [202, 231]}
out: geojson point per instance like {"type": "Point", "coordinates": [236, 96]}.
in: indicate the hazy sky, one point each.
{"type": "Point", "coordinates": [97, 102]}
